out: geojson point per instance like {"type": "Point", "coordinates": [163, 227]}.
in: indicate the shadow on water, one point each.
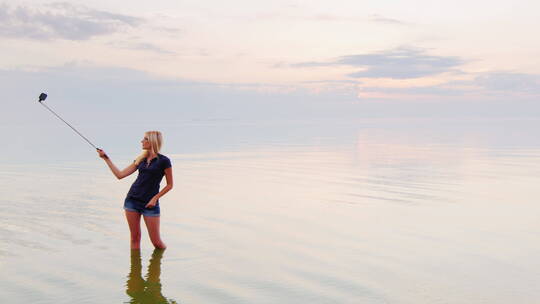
{"type": "Point", "coordinates": [146, 291]}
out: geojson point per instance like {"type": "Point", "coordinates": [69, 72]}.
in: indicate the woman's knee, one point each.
{"type": "Point", "coordinates": [159, 244]}
{"type": "Point", "coordinates": [156, 241]}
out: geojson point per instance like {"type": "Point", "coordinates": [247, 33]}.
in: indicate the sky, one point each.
{"type": "Point", "coordinates": [170, 60]}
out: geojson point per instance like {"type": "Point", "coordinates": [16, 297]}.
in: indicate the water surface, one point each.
{"type": "Point", "coordinates": [297, 212]}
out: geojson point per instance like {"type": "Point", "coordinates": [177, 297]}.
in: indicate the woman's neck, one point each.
{"type": "Point", "coordinates": [151, 154]}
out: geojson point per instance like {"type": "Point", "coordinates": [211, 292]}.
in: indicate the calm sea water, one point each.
{"type": "Point", "coordinates": [319, 212]}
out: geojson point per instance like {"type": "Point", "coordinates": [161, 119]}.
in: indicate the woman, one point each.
{"type": "Point", "coordinates": [143, 196]}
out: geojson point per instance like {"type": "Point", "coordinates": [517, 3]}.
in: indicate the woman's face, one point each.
{"type": "Point", "coordinates": [145, 143]}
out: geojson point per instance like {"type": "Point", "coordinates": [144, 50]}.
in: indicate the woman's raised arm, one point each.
{"type": "Point", "coordinates": [119, 174]}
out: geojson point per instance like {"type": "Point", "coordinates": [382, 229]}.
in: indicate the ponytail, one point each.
{"type": "Point", "coordinates": [140, 158]}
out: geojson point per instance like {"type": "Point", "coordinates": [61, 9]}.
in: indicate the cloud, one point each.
{"type": "Point", "coordinates": [385, 20]}
{"type": "Point", "coordinates": [173, 31]}
{"type": "Point", "coordinates": [61, 20]}
{"type": "Point", "coordinates": [511, 82]}
{"type": "Point", "coordinates": [492, 87]}
{"type": "Point", "coordinates": [84, 90]}
{"type": "Point", "coordinates": [140, 46]}
{"type": "Point", "coordinates": [399, 63]}
{"type": "Point", "coordinates": [435, 90]}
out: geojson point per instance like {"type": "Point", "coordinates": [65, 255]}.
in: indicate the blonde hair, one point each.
{"type": "Point", "coordinates": [156, 140]}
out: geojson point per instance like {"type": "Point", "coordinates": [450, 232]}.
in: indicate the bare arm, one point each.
{"type": "Point", "coordinates": [118, 173]}
{"type": "Point", "coordinates": [169, 178]}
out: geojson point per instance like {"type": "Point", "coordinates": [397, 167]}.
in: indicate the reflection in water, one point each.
{"type": "Point", "coordinates": [146, 291]}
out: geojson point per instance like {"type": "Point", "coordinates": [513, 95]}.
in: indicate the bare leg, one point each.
{"type": "Point", "coordinates": [134, 222]}
{"type": "Point", "coordinates": [152, 224]}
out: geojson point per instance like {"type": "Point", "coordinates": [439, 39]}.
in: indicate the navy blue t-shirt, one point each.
{"type": "Point", "coordinates": [150, 175]}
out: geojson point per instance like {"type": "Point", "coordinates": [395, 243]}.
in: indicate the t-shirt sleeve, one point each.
{"type": "Point", "coordinates": [166, 163]}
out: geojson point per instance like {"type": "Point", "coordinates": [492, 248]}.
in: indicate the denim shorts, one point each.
{"type": "Point", "coordinates": [131, 204]}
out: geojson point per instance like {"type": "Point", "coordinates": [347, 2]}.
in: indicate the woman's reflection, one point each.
{"type": "Point", "coordinates": [146, 291]}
